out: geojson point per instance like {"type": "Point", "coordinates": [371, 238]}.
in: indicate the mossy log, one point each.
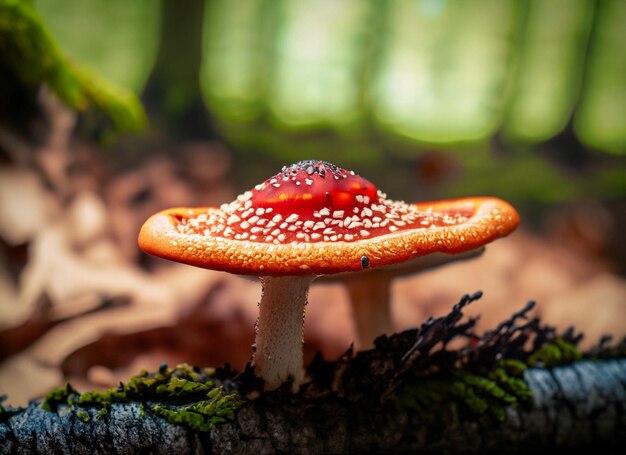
{"type": "Point", "coordinates": [581, 405]}
{"type": "Point", "coordinates": [518, 387]}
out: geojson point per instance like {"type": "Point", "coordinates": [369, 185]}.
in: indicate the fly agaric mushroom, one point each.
{"type": "Point", "coordinates": [314, 218]}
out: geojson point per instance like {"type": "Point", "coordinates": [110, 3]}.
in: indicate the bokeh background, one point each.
{"type": "Point", "coordinates": [429, 99]}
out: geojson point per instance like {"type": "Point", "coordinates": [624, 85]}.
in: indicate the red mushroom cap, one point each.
{"type": "Point", "coordinates": [315, 218]}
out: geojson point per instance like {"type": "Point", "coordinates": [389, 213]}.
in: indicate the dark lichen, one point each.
{"type": "Point", "coordinates": [486, 375]}
{"type": "Point", "coordinates": [416, 369]}
{"type": "Point", "coordinates": [6, 411]}
{"type": "Point", "coordinates": [605, 350]}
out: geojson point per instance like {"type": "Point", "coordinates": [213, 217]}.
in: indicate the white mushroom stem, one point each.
{"type": "Point", "coordinates": [369, 295]}
{"type": "Point", "coordinates": [280, 330]}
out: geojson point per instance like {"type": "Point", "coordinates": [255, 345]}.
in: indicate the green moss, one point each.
{"type": "Point", "coordinates": [513, 367]}
{"type": "Point", "coordinates": [83, 415]}
{"type": "Point", "coordinates": [485, 392]}
{"type": "Point", "coordinates": [514, 386]}
{"type": "Point", "coordinates": [203, 415]}
{"type": "Point", "coordinates": [180, 382]}
{"type": "Point", "coordinates": [181, 395]}
{"type": "Point", "coordinates": [485, 385]}
{"type": "Point", "coordinates": [555, 353]}
{"type": "Point", "coordinates": [177, 387]}
{"type": "Point", "coordinates": [102, 413]}
{"type": "Point", "coordinates": [62, 395]}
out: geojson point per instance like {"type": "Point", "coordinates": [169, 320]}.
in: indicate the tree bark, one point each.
{"type": "Point", "coordinates": [581, 405]}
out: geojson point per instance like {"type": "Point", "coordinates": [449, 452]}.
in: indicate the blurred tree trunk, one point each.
{"type": "Point", "coordinates": [579, 406]}
{"type": "Point", "coordinates": [172, 96]}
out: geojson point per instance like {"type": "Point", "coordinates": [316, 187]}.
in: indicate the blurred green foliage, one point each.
{"type": "Point", "coordinates": [443, 69]}
{"type": "Point", "coordinates": [232, 56]}
{"type": "Point", "coordinates": [438, 72]}
{"type": "Point", "coordinates": [118, 38]}
{"type": "Point", "coordinates": [28, 49]}
{"type": "Point", "coordinates": [601, 119]}
{"type": "Point", "coordinates": [550, 66]}
{"type": "Point", "coordinates": [501, 85]}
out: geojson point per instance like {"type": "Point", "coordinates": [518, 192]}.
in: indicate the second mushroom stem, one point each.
{"type": "Point", "coordinates": [369, 294]}
{"type": "Point", "coordinates": [280, 329]}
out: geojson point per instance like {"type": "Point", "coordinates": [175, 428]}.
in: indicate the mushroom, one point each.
{"type": "Point", "coordinates": [314, 218]}
{"type": "Point", "coordinates": [369, 292]}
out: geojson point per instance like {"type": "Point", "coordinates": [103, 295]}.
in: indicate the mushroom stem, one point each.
{"type": "Point", "coordinates": [280, 329]}
{"type": "Point", "coordinates": [369, 295]}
